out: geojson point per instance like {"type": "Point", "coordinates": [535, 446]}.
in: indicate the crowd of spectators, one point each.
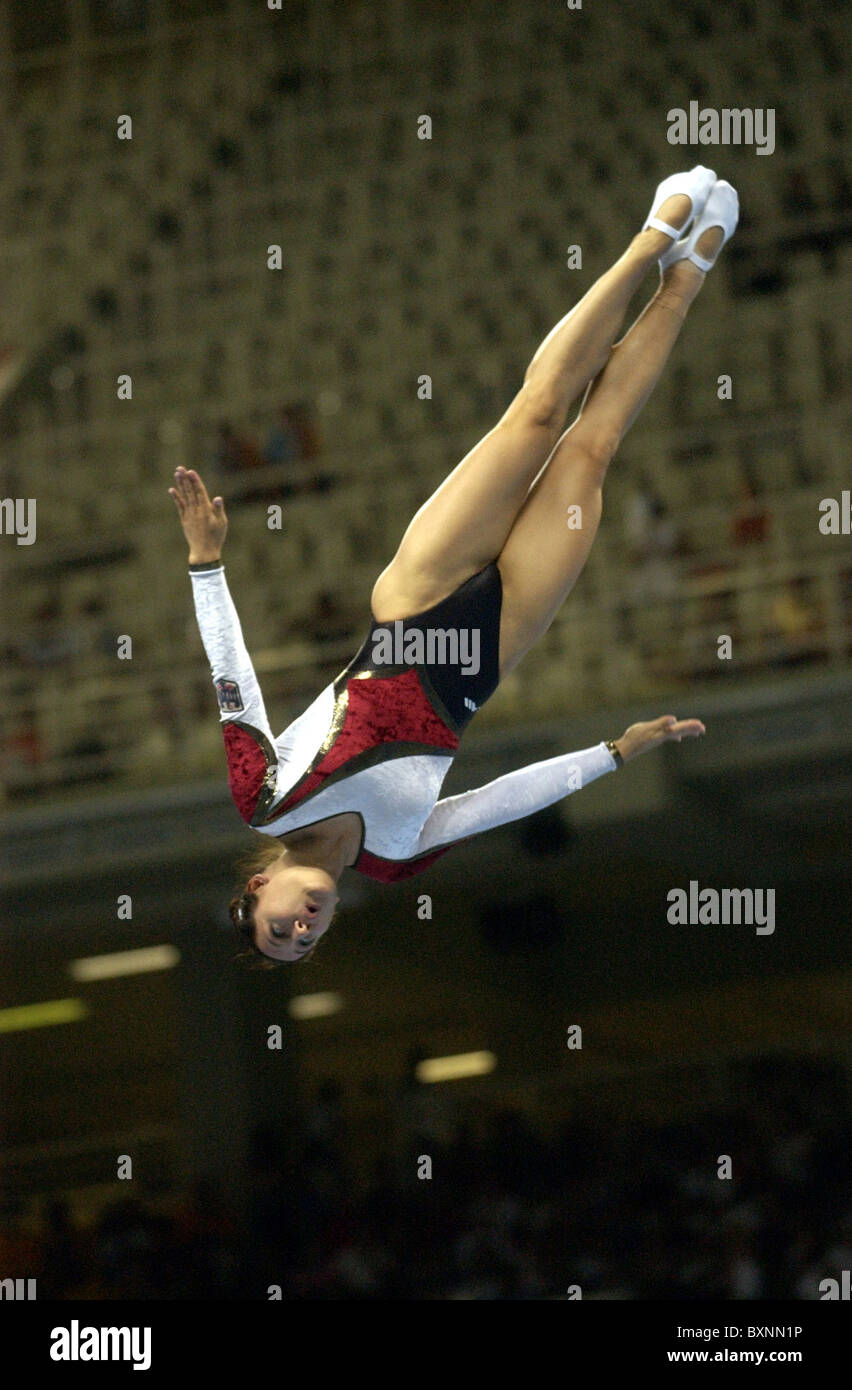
{"type": "Point", "coordinates": [679, 602]}
{"type": "Point", "coordinates": [290, 446]}
{"type": "Point", "coordinates": [622, 1209]}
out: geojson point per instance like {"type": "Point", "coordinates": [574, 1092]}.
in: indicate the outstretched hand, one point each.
{"type": "Point", "coordinates": [641, 738]}
{"type": "Point", "coordinates": [204, 523]}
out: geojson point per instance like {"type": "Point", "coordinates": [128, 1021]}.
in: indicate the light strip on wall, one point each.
{"type": "Point", "coordinates": [318, 1005]}
{"type": "Point", "coordinates": [43, 1015]}
{"type": "Point", "coordinates": [454, 1068]}
{"type": "Point", "coordinates": [117, 963]}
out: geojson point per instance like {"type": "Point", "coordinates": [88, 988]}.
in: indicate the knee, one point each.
{"type": "Point", "coordinates": [383, 595]}
{"type": "Point", "coordinates": [602, 449]}
{"type": "Point", "coordinates": [596, 449]}
{"type": "Point", "coordinates": [540, 406]}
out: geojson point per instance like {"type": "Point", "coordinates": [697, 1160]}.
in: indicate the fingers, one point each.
{"type": "Point", "coordinates": [199, 491]}
{"type": "Point", "coordinates": [639, 738]}
{"type": "Point", "coordinates": [669, 729]}
{"type": "Point", "coordinates": [691, 728]}
{"type": "Point", "coordinates": [678, 729]}
{"type": "Point", "coordinates": [190, 488]}
{"type": "Point", "coordinates": [177, 500]}
{"type": "Point", "coordinates": [183, 488]}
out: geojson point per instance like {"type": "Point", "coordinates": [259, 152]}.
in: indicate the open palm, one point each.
{"type": "Point", "coordinates": [204, 523]}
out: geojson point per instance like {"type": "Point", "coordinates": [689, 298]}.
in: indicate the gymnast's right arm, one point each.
{"type": "Point", "coordinates": [252, 760]}
{"type": "Point", "coordinates": [234, 679]}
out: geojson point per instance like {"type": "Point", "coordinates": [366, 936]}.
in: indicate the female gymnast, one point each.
{"type": "Point", "coordinates": [482, 569]}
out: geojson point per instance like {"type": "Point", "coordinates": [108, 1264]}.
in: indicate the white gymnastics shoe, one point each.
{"type": "Point", "coordinates": [722, 209]}
{"type": "Point", "coordinates": [695, 184]}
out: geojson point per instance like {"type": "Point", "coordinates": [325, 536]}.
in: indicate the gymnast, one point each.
{"type": "Point", "coordinates": [354, 781]}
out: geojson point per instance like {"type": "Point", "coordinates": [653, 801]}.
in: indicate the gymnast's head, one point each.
{"type": "Point", "coordinates": [284, 909]}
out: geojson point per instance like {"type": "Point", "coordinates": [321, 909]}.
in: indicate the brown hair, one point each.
{"type": "Point", "coordinates": [242, 907]}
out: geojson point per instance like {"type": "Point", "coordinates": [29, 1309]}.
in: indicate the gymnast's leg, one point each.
{"type": "Point", "coordinates": [544, 555]}
{"type": "Point", "coordinates": [466, 523]}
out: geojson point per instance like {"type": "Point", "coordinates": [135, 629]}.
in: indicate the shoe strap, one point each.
{"type": "Point", "coordinates": [699, 260]}
{"type": "Point", "coordinates": [661, 226]}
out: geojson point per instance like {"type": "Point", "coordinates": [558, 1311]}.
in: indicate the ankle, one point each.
{"type": "Point", "coordinates": [680, 283]}
{"type": "Point", "coordinates": [649, 245]}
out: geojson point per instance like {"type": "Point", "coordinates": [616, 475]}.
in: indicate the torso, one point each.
{"type": "Point", "coordinates": [382, 735]}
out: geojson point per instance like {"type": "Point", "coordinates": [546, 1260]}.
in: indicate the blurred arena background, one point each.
{"type": "Point", "coordinates": [552, 1166]}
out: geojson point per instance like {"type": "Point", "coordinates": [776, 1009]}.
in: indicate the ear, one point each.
{"type": "Point", "coordinates": [255, 882]}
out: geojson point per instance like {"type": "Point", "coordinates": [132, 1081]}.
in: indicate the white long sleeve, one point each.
{"type": "Point", "coordinates": [513, 796]}
{"type": "Point", "coordinates": [234, 679]}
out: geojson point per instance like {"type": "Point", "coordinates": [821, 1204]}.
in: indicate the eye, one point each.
{"type": "Point", "coordinates": [278, 933]}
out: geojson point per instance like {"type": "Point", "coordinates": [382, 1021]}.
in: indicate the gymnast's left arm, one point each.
{"type": "Point", "coordinates": [530, 789]}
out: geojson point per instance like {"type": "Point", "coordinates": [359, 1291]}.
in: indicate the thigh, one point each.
{"type": "Point", "coordinates": [465, 523]}
{"type": "Point", "coordinates": [546, 551]}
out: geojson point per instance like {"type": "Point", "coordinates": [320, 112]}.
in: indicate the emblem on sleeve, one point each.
{"type": "Point", "coordinates": [229, 697]}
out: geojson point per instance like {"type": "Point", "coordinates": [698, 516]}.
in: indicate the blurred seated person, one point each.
{"type": "Point", "coordinates": [307, 433]}
{"type": "Point", "coordinates": [795, 624]}
{"type": "Point", "coordinates": [235, 452]}
{"type": "Point", "coordinates": [101, 635]}
{"type": "Point", "coordinates": [23, 746]}
{"type": "Point", "coordinates": [50, 638]}
{"type": "Point", "coordinates": [751, 522]}
{"type": "Point", "coordinates": [282, 441]}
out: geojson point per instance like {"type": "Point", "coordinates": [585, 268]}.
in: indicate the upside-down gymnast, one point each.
{"type": "Point", "coordinates": [354, 781]}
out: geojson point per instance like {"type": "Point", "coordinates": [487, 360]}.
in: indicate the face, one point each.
{"type": "Point", "coordinates": [294, 908]}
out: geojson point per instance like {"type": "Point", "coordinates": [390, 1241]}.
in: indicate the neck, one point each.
{"type": "Point", "coordinates": [331, 849]}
